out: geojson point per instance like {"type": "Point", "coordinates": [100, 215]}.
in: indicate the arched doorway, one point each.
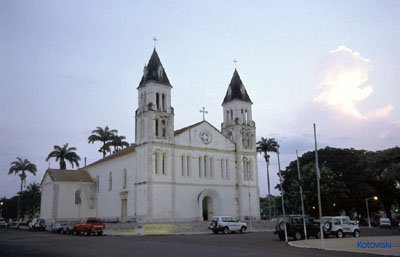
{"type": "Point", "coordinates": [207, 208]}
{"type": "Point", "coordinates": [209, 204]}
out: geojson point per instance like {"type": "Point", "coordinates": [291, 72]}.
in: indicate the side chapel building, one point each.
{"type": "Point", "coordinates": [168, 175]}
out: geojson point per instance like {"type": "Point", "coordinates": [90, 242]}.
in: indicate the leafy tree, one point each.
{"type": "Point", "coordinates": [103, 135]}
{"type": "Point", "coordinates": [263, 147]}
{"type": "Point", "coordinates": [117, 142]}
{"type": "Point", "coordinates": [344, 181]}
{"type": "Point", "coordinates": [20, 167]}
{"type": "Point", "coordinates": [64, 153]}
{"type": "Point", "coordinates": [30, 200]}
{"type": "Point", "coordinates": [384, 176]}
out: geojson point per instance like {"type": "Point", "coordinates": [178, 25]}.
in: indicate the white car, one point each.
{"type": "Point", "coordinates": [340, 226]}
{"type": "Point", "coordinates": [385, 223]}
{"type": "Point", "coordinates": [37, 224]}
{"type": "Point", "coordinates": [3, 223]}
{"type": "Point", "coordinates": [226, 224]}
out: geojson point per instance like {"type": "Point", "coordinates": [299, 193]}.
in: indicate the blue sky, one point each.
{"type": "Point", "coordinates": [67, 67]}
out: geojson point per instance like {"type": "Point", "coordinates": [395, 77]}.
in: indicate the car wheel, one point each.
{"type": "Point", "coordinates": [88, 233]}
{"type": "Point", "coordinates": [356, 233]}
{"type": "Point", "coordinates": [297, 236]}
{"type": "Point", "coordinates": [242, 230]}
{"type": "Point", "coordinates": [226, 230]}
{"type": "Point", "coordinates": [281, 226]}
{"type": "Point", "coordinates": [327, 226]}
{"type": "Point", "coordinates": [339, 234]}
{"type": "Point", "coordinates": [214, 224]}
{"type": "Point", "coordinates": [100, 233]}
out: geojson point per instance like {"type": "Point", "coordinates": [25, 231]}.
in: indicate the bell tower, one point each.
{"type": "Point", "coordinates": [238, 122]}
{"type": "Point", "coordinates": [154, 117]}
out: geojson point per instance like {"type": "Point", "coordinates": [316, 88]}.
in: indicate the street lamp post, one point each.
{"type": "Point", "coordinates": [1, 209]}
{"type": "Point", "coordinates": [366, 203]}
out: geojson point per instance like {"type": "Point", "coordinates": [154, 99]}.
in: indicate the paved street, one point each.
{"type": "Point", "coordinates": [24, 243]}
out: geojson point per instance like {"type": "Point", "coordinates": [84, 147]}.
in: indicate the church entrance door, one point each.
{"type": "Point", "coordinates": [123, 210]}
{"type": "Point", "coordinates": [207, 208]}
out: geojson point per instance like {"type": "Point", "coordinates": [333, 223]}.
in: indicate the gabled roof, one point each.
{"type": "Point", "coordinates": [236, 90]}
{"type": "Point", "coordinates": [68, 175]}
{"type": "Point", "coordinates": [154, 71]}
{"type": "Point", "coordinates": [122, 152]}
{"type": "Point", "coordinates": [180, 131]}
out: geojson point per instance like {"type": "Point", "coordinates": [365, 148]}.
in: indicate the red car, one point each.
{"type": "Point", "coordinates": [89, 226]}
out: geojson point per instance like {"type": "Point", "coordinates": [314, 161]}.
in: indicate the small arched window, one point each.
{"type": "Point", "coordinates": [110, 181]}
{"type": "Point", "coordinates": [78, 199]}
{"type": "Point", "coordinates": [164, 163]}
{"type": "Point", "coordinates": [164, 128]}
{"type": "Point", "coordinates": [124, 179]}
{"type": "Point", "coordinates": [158, 101]}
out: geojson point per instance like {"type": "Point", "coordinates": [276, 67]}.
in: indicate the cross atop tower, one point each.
{"type": "Point", "coordinates": [155, 40]}
{"type": "Point", "coordinates": [203, 110]}
{"type": "Point", "coordinates": [235, 62]}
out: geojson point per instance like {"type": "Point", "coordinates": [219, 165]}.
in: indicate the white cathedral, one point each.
{"type": "Point", "coordinates": [168, 175]}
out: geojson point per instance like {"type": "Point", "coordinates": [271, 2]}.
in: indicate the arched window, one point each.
{"type": "Point", "coordinates": [212, 167]}
{"type": "Point", "coordinates": [245, 172]}
{"type": "Point", "coordinates": [222, 169]}
{"type": "Point", "coordinates": [227, 174]}
{"type": "Point", "coordinates": [78, 199]}
{"type": "Point", "coordinates": [164, 163]}
{"type": "Point", "coordinates": [158, 101]}
{"type": "Point", "coordinates": [97, 184]}
{"type": "Point", "coordinates": [246, 116]}
{"type": "Point", "coordinates": [183, 165]}
{"type": "Point", "coordinates": [141, 128]}
{"type": "Point", "coordinates": [231, 115]}
{"type": "Point", "coordinates": [157, 162]}
{"type": "Point", "coordinates": [163, 102]}
{"type": "Point", "coordinates": [205, 167]}
{"type": "Point", "coordinates": [156, 127]}
{"type": "Point", "coordinates": [164, 128]}
{"type": "Point", "coordinates": [200, 167]}
{"type": "Point", "coordinates": [124, 180]}
{"type": "Point", "coordinates": [227, 115]}
{"type": "Point", "coordinates": [188, 163]}
{"type": "Point", "coordinates": [110, 181]}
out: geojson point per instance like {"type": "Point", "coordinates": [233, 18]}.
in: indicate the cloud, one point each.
{"type": "Point", "coordinates": [340, 83]}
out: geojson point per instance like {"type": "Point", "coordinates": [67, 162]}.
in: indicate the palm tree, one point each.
{"type": "Point", "coordinates": [64, 153]}
{"type": "Point", "coordinates": [20, 167]}
{"type": "Point", "coordinates": [117, 142]}
{"type": "Point", "coordinates": [103, 135]}
{"type": "Point", "coordinates": [264, 146]}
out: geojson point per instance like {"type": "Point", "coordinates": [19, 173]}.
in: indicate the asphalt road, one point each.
{"type": "Point", "coordinates": [19, 243]}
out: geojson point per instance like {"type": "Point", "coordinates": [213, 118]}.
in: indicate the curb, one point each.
{"type": "Point", "coordinates": [338, 250]}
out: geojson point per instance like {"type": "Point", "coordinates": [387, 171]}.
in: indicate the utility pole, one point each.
{"type": "Point", "coordinates": [301, 196]}
{"type": "Point", "coordinates": [282, 193]}
{"type": "Point", "coordinates": [319, 193]}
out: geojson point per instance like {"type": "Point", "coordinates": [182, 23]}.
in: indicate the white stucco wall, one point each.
{"type": "Point", "coordinates": [109, 201]}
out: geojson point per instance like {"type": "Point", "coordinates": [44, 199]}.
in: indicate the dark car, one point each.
{"type": "Point", "coordinates": [295, 227]}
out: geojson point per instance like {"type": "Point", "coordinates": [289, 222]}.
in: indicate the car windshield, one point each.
{"type": "Point", "coordinates": [91, 221]}
{"type": "Point", "coordinates": [40, 220]}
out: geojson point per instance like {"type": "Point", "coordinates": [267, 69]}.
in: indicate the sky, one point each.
{"type": "Point", "coordinates": [67, 67]}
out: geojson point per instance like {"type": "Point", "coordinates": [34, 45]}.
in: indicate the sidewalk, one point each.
{"type": "Point", "coordinates": [352, 244]}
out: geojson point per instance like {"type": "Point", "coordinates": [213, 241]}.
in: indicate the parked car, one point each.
{"type": "Point", "coordinates": [89, 226]}
{"type": "Point", "coordinates": [295, 227]}
{"type": "Point", "coordinates": [59, 227]}
{"type": "Point", "coordinates": [340, 226]}
{"type": "Point", "coordinates": [226, 224]}
{"type": "Point", "coordinates": [69, 228]}
{"type": "Point", "coordinates": [385, 223]}
{"type": "Point", "coordinates": [37, 224]}
{"type": "Point", "coordinates": [3, 223]}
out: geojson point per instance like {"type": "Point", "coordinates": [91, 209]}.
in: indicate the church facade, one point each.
{"type": "Point", "coordinates": [167, 175]}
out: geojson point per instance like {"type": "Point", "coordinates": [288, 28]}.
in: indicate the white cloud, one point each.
{"type": "Point", "coordinates": [340, 83]}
